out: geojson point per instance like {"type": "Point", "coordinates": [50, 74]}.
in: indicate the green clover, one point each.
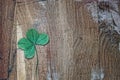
{"type": "Point", "coordinates": [32, 39]}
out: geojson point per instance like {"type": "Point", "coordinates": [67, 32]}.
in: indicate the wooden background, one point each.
{"type": "Point", "coordinates": [7, 41]}
{"type": "Point", "coordinates": [78, 48]}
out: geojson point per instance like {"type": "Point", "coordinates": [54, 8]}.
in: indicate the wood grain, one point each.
{"type": "Point", "coordinates": [109, 56]}
{"type": "Point", "coordinates": [6, 28]}
{"type": "Point", "coordinates": [37, 16]}
{"type": "Point", "coordinates": [78, 48]}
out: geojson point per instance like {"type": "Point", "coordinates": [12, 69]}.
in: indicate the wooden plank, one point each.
{"type": "Point", "coordinates": [109, 52]}
{"type": "Point", "coordinates": [6, 22]}
{"type": "Point", "coordinates": [28, 15]}
{"type": "Point", "coordinates": [76, 39]}
{"type": "Point", "coordinates": [21, 72]}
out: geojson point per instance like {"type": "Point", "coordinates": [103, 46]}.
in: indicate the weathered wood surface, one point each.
{"type": "Point", "coordinates": [6, 39]}
{"type": "Point", "coordinates": [78, 48]}
{"type": "Point", "coordinates": [21, 72]}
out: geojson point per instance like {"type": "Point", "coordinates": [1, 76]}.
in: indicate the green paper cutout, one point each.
{"type": "Point", "coordinates": [33, 38]}
{"type": "Point", "coordinates": [24, 44]}
{"type": "Point", "coordinates": [43, 39]}
{"type": "Point", "coordinates": [29, 53]}
{"type": "Point", "coordinates": [32, 35]}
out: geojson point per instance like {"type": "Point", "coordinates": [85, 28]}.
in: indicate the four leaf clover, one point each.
{"type": "Point", "coordinates": [33, 38]}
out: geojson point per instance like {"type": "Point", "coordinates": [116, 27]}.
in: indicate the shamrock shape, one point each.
{"type": "Point", "coordinates": [32, 39]}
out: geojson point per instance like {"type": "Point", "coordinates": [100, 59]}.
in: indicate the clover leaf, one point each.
{"type": "Point", "coordinates": [33, 37]}
{"type": "Point", "coordinates": [24, 44]}
{"type": "Point", "coordinates": [43, 39]}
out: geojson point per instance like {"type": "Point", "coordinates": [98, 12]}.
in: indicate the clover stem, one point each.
{"type": "Point", "coordinates": [36, 71]}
